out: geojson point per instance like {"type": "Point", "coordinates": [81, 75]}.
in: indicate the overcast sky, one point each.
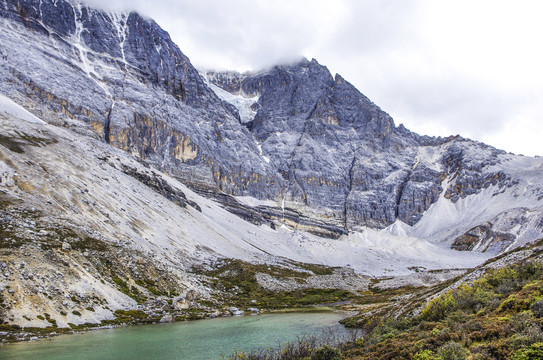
{"type": "Point", "coordinates": [468, 67]}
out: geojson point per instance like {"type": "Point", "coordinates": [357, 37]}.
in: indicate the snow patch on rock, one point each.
{"type": "Point", "coordinates": [241, 101]}
{"type": "Point", "coordinates": [253, 202]}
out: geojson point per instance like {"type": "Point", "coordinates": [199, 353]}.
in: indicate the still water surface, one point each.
{"type": "Point", "coordinates": [194, 340]}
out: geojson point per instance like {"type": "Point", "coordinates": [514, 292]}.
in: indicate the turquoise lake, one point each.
{"type": "Point", "coordinates": [192, 340]}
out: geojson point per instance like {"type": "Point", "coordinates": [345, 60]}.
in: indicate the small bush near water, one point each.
{"type": "Point", "coordinates": [326, 353]}
{"type": "Point", "coordinates": [326, 346]}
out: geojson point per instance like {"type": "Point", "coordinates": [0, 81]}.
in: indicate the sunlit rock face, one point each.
{"type": "Point", "coordinates": [294, 134]}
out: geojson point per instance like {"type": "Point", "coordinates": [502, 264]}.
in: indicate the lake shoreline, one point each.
{"type": "Point", "coordinates": [23, 335]}
{"type": "Point", "coordinates": [189, 340]}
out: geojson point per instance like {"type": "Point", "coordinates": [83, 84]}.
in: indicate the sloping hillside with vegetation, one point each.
{"type": "Point", "coordinates": [494, 312]}
{"type": "Point", "coordinates": [498, 316]}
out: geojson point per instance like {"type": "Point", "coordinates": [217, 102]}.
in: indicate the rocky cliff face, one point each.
{"type": "Point", "coordinates": [122, 75]}
{"type": "Point", "coordinates": [296, 135]}
{"type": "Point", "coordinates": [341, 153]}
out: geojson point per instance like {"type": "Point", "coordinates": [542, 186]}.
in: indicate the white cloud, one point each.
{"type": "Point", "coordinates": [472, 68]}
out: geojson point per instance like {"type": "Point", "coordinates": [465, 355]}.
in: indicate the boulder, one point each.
{"type": "Point", "coordinates": [168, 318]}
{"type": "Point", "coordinates": [236, 312]}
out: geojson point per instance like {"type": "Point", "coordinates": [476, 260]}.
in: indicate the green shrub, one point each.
{"type": "Point", "coordinates": [537, 308]}
{"type": "Point", "coordinates": [526, 330]}
{"type": "Point", "coordinates": [467, 298]}
{"type": "Point", "coordinates": [534, 352]}
{"type": "Point", "coordinates": [528, 336]}
{"type": "Point", "coordinates": [521, 322]}
{"type": "Point", "coordinates": [326, 353]}
{"type": "Point", "coordinates": [383, 331]}
{"type": "Point", "coordinates": [512, 278]}
{"type": "Point", "coordinates": [425, 355]}
{"type": "Point", "coordinates": [452, 351]}
{"type": "Point", "coordinates": [484, 292]}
